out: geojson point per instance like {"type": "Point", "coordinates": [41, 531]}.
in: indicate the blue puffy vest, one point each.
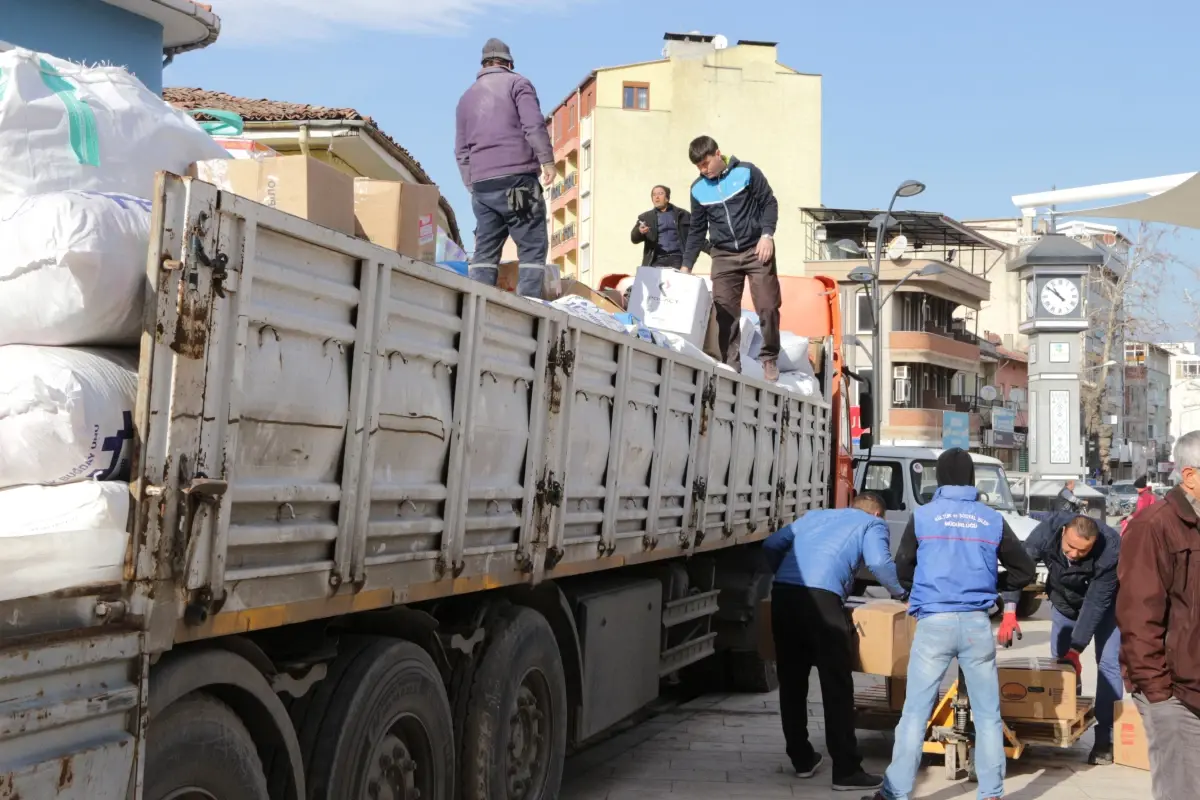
{"type": "Point", "coordinates": [957, 542]}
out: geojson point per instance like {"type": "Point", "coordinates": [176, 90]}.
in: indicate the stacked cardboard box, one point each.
{"type": "Point", "coordinates": [1130, 748]}
{"type": "Point", "coordinates": [1037, 689]}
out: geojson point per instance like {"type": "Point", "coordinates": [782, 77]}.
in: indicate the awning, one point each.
{"type": "Point", "coordinates": [1173, 200]}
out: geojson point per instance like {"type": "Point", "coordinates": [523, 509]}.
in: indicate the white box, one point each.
{"type": "Point", "coordinates": [671, 301]}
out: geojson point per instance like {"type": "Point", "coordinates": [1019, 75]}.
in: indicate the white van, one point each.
{"type": "Point", "coordinates": [906, 478]}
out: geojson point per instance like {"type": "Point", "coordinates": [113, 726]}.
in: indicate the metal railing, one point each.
{"type": "Point", "coordinates": [563, 234]}
{"type": "Point", "coordinates": [565, 185]}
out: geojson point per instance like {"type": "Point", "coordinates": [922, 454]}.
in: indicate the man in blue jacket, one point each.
{"type": "Point", "coordinates": [734, 208]}
{"type": "Point", "coordinates": [814, 560]}
{"type": "Point", "coordinates": [1080, 555]}
{"type": "Point", "coordinates": [949, 554]}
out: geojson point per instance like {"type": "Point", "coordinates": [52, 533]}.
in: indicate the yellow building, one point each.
{"type": "Point", "coordinates": [626, 129]}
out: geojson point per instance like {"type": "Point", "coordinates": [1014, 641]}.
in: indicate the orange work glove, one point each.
{"type": "Point", "coordinates": [1008, 626]}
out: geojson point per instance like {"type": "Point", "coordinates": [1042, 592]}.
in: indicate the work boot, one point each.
{"type": "Point", "coordinates": [770, 370]}
{"type": "Point", "coordinates": [809, 769]}
{"type": "Point", "coordinates": [859, 780]}
{"type": "Point", "coordinates": [1101, 755]}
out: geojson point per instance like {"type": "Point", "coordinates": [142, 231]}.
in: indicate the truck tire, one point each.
{"type": "Point", "coordinates": [1028, 605]}
{"type": "Point", "coordinates": [198, 747]}
{"type": "Point", "coordinates": [515, 734]}
{"type": "Point", "coordinates": [750, 674]}
{"type": "Point", "coordinates": [379, 722]}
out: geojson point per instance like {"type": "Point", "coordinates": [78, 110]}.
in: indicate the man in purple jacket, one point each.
{"type": "Point", "coordinates": [501, 144]}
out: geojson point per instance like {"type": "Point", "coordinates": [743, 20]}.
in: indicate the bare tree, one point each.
{"type": "Point", "coordinates": [1122, 306]}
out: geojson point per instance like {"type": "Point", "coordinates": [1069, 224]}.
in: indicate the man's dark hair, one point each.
{"type": "Point", "coordinates": [1140, 483]}
{"type": "Point", "coordinates": [869, 502]}
{"type": "Point", "coordinates": [498, 62]}
{"type": "Point", "coordinates": [1085, 526]}
{"type": "Point", "coordinates": [666, 189]}
{"type": "Point", "coordinates": [701, 148]}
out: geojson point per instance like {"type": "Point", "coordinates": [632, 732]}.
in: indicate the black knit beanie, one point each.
{"type": "Point", "coordinates": [955, 468]}
{"type": "Point", "coordinates": [1140, 483]}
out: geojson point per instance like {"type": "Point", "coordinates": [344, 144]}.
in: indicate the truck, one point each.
{"type": "Point", "coordinates": [395, 534]}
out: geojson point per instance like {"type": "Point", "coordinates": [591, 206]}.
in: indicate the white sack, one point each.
{"type": "Point", "coordinates": [66, 414]}
{"type": "Point", "coordinates": [61, 537]}
{"type": "Point", "coordinates": [72, 268]}
{"type": "Point", "coordinates": [583, 308]}
{"type": "Point", "coordinates": [66, 126]}
{"type": "Point", "coordinates": [751, 339]}
{"type": "Point", "coordinates": [793, 353]}
{"type": "Point", "coordinates": [799, 382]}
{"type": "Point", "coordinates": [673, 341]}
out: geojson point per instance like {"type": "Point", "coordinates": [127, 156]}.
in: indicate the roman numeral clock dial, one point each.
{"type": "Point", "coordinates": [1060, 296]}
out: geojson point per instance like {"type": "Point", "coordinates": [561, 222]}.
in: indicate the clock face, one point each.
{"type": "Point", "coordinates": [1060, 296]}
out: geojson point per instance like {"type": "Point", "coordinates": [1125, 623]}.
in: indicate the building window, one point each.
{"type": "Point", "coordinates": [585, 262]}
{"type": "Point", "coordinates": [863, 312]}
{"type": "Point", "coordinates": [585, 207]}
{"type": "Point", "coordinates": [636, 96]}
{"type": "Point", "coordinates": [587, 156]}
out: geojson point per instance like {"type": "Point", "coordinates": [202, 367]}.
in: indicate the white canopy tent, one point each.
{"type": "Point", "coordinates": [1171, 200]}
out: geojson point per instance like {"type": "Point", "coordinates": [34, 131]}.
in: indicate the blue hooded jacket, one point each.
{"type": "Point", "coordinates": [822, 550]}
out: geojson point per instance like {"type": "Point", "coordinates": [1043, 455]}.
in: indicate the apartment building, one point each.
{"type": "Point", "coordinates": [1147, 412]}
{"type": "Point", "coordinates": [624, 129]}
{"type": "Point", "coordinates": [932, 357]}
{"type": "Point", "coordinates": [1184, 370]}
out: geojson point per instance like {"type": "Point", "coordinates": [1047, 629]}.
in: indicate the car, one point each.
{"type": "Point", "coordinates": [1126, 495]}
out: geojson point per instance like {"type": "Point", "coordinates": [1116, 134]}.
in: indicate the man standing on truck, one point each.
{"type": "Point", "coordinates": [814, 560]}
{"type": "Point", "coordinates": [1159, 618]}
{"type": "Point", "coordinates": [501, 144]}
{"type": "Point", "coordinates": [1080, 555]}
{"type": "Point", "coordinates": [662, 231]}
{"type": "Point", "coordinates": [734, 208]}
{"type": "Point", "coordinates": [948, 555]}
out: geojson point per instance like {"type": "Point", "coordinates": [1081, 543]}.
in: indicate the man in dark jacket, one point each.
{"type": "Point", "coordinates": [1081, 558]}
{"type": "Point", "coordinates": [1158, 612]}
{"type": "Point", "coordinates": [734, 208]}
{"type": "Point", "coordinates": [501, 144]}
{"type": "Point", "coordinates": [662, 231]}
{"type": "Point", "coordinates": [1066, 500]}
{"type": "Point", "coordinates": [949, 555]}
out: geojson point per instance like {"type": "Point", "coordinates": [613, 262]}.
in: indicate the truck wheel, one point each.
{"type": "Point", "coordinates": [750, 674]}
{"type": "Point", "coordinates": [199, 748]}
{"type": "Point", "coordinates": [515, 736]}
{"type": "Point", "coordinates": [1028, 605]}
{"type": "Point", "coordinates": [378, 726]}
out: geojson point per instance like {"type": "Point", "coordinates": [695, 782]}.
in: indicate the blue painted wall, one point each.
{"type": "Point", "coordinates": [86, 30]}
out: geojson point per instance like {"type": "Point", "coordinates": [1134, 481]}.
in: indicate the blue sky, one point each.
{"type": "Point", "coordinates": [979, 101]}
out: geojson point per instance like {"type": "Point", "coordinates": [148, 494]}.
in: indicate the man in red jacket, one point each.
{"type": "Point", "coordinates": [1158, 613]}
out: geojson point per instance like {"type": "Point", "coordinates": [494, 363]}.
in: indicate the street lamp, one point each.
{"type": "Point", "coordinates": [860, 275]}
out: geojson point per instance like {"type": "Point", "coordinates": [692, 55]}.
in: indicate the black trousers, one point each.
{"type": "Point", "coordinates": [812, 629]}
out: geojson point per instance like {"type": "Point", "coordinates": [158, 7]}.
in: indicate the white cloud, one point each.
{"type": "Point", "coordinates": [264, 21]}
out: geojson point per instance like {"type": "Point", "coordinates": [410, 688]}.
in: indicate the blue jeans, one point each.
{"type": "Point", "coordinates": [940, 638]}
{"type": "Point", "coordinates": [1106, 642]}
{"type": "Point", "coordinates": [496, 220]}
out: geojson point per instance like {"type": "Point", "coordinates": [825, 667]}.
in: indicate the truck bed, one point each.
{"type": "Point", "coordinates": [325, 426]}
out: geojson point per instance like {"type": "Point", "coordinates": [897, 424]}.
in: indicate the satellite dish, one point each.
{"type": "Point", "coordinates": [897, 246]}
{"type": "Point", "coordinates": [720, 42]}
{"type": "Point", "coordinates": [1016, 395]}
{"type": "Point", "coordinates": [988, 393]}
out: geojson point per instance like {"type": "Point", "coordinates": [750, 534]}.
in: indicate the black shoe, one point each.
{"type": "Point", "coordinates": [876, 796]}
{"type": "Point", "coordinates": [859, 780]}
{"type": "Point", "coordinates": [1101, 755]}
{"type": "Point", "coordinates": [809, 769]}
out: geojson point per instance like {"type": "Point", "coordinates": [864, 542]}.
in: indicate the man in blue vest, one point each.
{"type": "Point", "coordinates": [949, 555]}
{"type": "Point", "coordinates": [814, 560]}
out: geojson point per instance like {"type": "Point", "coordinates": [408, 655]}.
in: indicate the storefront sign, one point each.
{"type": "Point", "coordinates": [1003, 428]}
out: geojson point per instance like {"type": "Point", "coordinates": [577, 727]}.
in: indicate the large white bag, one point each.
{"type": "Point", "coordinates": [793, 353]}
{"type": "Point", "coordinates": [61, 537]}
{"type": "Point", "coordinates": [66, 414]}
{"type": "Point", "coordinates": [66, 126]}
{"type": "Point", "coordinates": [72, 268]}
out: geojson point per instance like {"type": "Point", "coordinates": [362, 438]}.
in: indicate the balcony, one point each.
{"type": "Point", "coordinates": [938, 348]}
{"type": "Point", "coordinates": [565, 191]}
{"type": "Point", "coordinates": [563, 235]}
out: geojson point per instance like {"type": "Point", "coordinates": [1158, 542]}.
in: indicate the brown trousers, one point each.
{"type": "Point", "coordinates": [730, 272]}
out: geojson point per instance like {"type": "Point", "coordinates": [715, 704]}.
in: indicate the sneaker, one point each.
{"type": "Point", "coordinates": [876, 796]}
{"type": "Point", "coordinates": [810, 769]}
{"type": "Point", "coordinates": [770, 371]}
{"type": "Point", "coordinates": [859, 780]}
{"type": "Point", "coordinates": [1101, 755]}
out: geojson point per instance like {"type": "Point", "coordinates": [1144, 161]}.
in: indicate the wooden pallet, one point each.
{"type": "Point", "coordinates": [1056, 732]}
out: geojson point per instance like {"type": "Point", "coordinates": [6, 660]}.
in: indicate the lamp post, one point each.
{"type": "Point", "coordinates": [881, 223]}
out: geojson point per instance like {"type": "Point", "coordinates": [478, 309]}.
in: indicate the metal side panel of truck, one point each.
{"type": "Point", "coordinates": [336, 443]}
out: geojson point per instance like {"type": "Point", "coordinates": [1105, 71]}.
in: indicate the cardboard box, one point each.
{"type": "Point", "coordinates": [897, 690]}
{"type": "Point", "coordinates": [885, 633]}
{"type": "Point", "coordinates": [240, 147]}
{"type": "Point", "coordinates": [399, 216]}
{"type": "Point", "coordinates": [1037, 689]}
{"type": "Point", "coordinates": [1130, 747]}
{"type": "Point", "coordinates": [297, 185]}
{"type": "Point", "coordinates": [671, 301]}
{"type": "Point", "coordinates": [572, 286]}
{"type": "Point", "coordinates": [763, 633]}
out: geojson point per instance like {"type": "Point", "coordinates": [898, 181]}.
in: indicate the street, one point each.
{"type": "Point", "coordinates": [731, 746]}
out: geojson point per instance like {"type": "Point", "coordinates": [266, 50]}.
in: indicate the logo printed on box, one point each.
{"type": "Point", "coordinates": [427, 231]}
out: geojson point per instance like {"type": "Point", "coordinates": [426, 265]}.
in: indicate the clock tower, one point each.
{"type": "Point", "coordinates": [1054, 273]}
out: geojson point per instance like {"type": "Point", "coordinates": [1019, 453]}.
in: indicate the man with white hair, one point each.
{"type": "Point", "coordinates": [1158, 613]}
